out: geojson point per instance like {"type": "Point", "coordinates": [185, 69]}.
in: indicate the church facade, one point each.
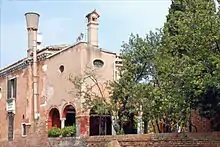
{"type": "Point", "coordinates": [35, 93]}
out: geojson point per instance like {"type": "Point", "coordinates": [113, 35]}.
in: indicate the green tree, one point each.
{"type": "Point", "coordinates": [138, 88]}
{"type": "Point", "coordinates": [190, 55]}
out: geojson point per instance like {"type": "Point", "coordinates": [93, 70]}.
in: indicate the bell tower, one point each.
{"type": "Point", "coordinates": [92, 28]}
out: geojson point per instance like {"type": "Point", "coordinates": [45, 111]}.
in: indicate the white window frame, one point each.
{"type": "Point", "coordinates": [22, 129]}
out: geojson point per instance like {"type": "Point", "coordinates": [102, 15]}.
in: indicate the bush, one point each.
{"type": "Point", "coordinates": [54, 132]}
{"type": "Point", "coordinates": [68, 131]}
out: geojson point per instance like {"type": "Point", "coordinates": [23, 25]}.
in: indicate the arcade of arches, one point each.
{"type": "Point", "coordinates": [96, 124]}
{"type": "Point", "coordinates": [68, 117]}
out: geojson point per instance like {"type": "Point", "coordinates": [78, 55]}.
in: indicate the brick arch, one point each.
{"type": "Point", "coordinates": [64, 108]}
{"type": "Point", "coordinates": [52, 107]}
{"type": "Point", "coordinates": [54, 118]}
{"type": "Point", "coordinates": [69, 114]}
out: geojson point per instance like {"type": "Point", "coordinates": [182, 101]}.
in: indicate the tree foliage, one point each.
{"type": "Point", "coordinates": [92, 91]}
{"type": "Point", "coordinates": [167, 73]}
{"type": "Point", "coordinates": [182, 63]}
{"type": "Point", "coordinates": [191, 48]}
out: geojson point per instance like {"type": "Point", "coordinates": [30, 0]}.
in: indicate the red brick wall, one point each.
{"type": "Point", "coordinates": [159, 140]}
{"type": "Point", "coordinates": [202, 124]}
{"type": "Point", "coordinates": [146, 140]}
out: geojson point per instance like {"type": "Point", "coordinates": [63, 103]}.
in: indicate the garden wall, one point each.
{"type": "Point", "coordinates": [159, 140]}
{"type": "Point", "coordinates": [146, 140]}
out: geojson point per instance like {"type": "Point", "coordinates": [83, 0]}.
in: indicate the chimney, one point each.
{"type": "Point", "coordinates": [92, 26]}
{"type": "Point", "coordinates": [32, 20]}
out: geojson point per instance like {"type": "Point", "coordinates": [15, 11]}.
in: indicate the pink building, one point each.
{"type": "Point", "coordinates": [35, 93]}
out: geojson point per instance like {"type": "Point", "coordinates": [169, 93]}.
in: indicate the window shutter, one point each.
{"type": "Point", "coordinates": [9, 89]}
{"type": "Point", "coordinates": [15, 88]}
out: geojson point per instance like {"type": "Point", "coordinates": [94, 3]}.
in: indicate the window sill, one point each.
{"type": "Point", "coordinates": [27, 124]}
{"type": "Point", "coordinates": [23, 136]}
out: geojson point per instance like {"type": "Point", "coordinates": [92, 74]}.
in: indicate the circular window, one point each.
{"type": "Point", "coordinates": [98, 63]}
{"type": "Point", "coordinates": [61, 68]}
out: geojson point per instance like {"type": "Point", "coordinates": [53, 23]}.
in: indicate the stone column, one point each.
{"type": "Point", "coordinates": [62, 122]}
{"type": "Point", "coordinates": [113, 122]}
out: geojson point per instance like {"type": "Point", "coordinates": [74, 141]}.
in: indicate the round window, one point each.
{"type": "Point", "coordinates": [61, 68]}
{"type": "Point", "coordinates": [98, 63]}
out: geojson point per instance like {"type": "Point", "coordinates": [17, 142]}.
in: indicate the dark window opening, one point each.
{"type": "Point", "coordinates": [98, 63]}
{"type": "Point", "coordinates": [70, 115]}
{"type": "Point", "coordinates": [61, 68]}
{"type": "Point", "coordinates": [12, 88]}
{"type": "Point", "coordinates": [94, 19]}
{"type": "Point", "coordinates": [24, 130]}
{"type": "Point", "coordinates": [100, 124]}
{"type": "Point", "coordinates": [10, 126]}
{"type": "Point", "coordinates": [70, 119]}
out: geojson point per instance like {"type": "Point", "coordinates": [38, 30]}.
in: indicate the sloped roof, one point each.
{"type": "Point", "coordinates": [51, 49]}
{"type": "Point", "coordinates": [93, 12]}
{"type": "Point", "coordinates": [42, 54]}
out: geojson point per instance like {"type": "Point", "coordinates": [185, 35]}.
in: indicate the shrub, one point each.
{"type": "Point", "coordinates": [68, 131]}
{"type": "Point", "coordinates": [54, 132]}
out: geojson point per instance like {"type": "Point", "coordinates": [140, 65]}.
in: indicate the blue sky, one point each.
{"type": "Point", "coordinates": [62, 21]}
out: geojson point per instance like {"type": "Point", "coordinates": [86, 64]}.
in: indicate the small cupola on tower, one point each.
{"type": "Point", "coordinates": [92, 28]}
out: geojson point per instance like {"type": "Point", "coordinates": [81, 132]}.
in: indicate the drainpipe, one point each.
{"type": "Point", "coordinates": [32, 20]}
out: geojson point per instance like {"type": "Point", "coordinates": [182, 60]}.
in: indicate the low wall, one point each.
{"type": "Point", "coordinates": [145, 140]}
{"type": "Point", "coordinates": [66, 142]}
{"type": "Point", "coordinates": [159, 140]}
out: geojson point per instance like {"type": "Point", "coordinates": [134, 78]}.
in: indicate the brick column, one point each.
{"type": "Point", "coordinates": [82, 124]}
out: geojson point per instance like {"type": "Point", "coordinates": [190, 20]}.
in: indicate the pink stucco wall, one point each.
{"type": "Point", "coordinates": [53, 89]}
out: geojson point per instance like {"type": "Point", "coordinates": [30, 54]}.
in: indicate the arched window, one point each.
{"type": "Point", "coordinates": [54, 118]}
{"type": "Point", "coordinates": [69, 113]}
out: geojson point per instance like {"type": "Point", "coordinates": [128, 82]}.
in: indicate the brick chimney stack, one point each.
{"type": "Point", "coordinates": [32, 20]}
{"type": "Point", "coordinates": [92, 28]}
